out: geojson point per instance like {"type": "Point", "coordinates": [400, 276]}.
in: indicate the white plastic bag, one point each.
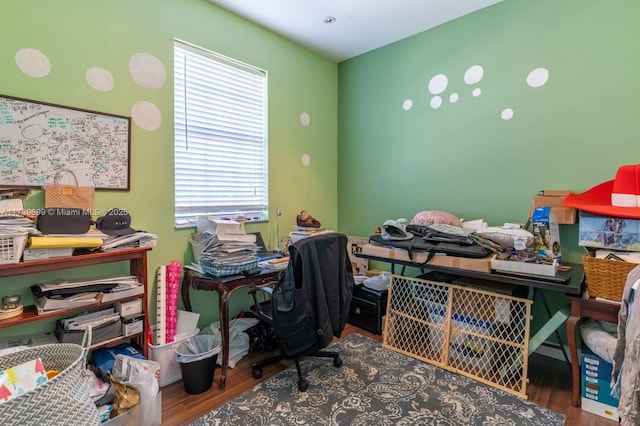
{"type": "Point", "coordinates": [197, 348]}
{"type": "Point", "coordinates": [238, 339]}
{"type": "Point", "coordinates": [140, 374]}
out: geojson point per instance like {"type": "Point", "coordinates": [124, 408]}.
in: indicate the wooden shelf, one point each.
{"type": "Point", "coordinates": [78, 261]}
{"type": "Point", "coordinates": [30, 313]}
{"type": "Point", "coordinates": [137, 259]}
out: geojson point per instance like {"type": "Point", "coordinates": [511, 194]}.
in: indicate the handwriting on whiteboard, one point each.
{"type": "Point", "coordinates": [38, 139]}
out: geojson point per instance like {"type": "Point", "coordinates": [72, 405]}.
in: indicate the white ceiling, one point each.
{"type": "Point", "coordinates": [360, 25]}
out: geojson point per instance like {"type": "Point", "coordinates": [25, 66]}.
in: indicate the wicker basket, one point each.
{"type": "Point", "coordinates": [606, 278]}
{"type": "Point", "coordinates": [63, 400]}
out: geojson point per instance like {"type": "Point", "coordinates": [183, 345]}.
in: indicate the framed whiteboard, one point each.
{"type": "Point", "coordinates": [37, 139]}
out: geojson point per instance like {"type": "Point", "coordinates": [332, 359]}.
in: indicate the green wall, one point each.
{"type": "Point", "coordinates": [76, 35]}
{"type": "Point", "coordinates": [571, 133]}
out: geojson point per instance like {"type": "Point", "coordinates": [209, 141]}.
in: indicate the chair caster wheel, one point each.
{"type": "Point", "coordinates": [337, 362]}
{"type": "Point", "coordinates": [303, 385]}
{"type": "Point", "coordinates": [257, 373]}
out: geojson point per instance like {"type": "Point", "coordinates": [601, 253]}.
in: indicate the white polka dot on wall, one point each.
{"type": "Point", "coordinates": [147, 70]}
{"type": "Point", "coordinates": [538, 77]}
{"type": "Point", "coordinates": [476, 92]}
{"type": "Point", "coordinates": [507, 114]}
{"type": "Point", "coordinates": [436, 102]}
{"type": "Point", "coordinates": [146, 115]}
{"type": "Point", "coordinates": [33, 63]}
{"type": "Point", "coordinates": [453, 98]}
{"type": "Point", "coordinates": [474, 74]}
{"type": "Point", "coordinates": [305, 119]}
{"type": "Point", "coordinates": [407, 105]}
{"type": "Point", "coordinates": [306, 159]}
{"type": "Point", "coordinates": [100, 79]}
{"type": "Point", "coordinates": [438, 84]}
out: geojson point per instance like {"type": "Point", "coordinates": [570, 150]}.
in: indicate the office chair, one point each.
{"type": "Point", "coordinates": [309, 304]}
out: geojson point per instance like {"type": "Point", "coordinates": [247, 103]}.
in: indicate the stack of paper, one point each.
{"type": "Point", "coordinates": [13, 219]}
{"type": "Point", "coordinates": [61, 294]}
{"type": "Point", "coordinates": [235, 248]}
{"type": "Point", "coordinates": [129, 241]}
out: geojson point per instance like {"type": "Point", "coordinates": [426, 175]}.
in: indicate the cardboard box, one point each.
{"type": "Point", "coordinates": [471, 264]}
{"type": "Point", "coordinates": [565, 215]}
{"type": "Point", "coordinates": [615, 233]}
{"type": "Point", "coordinates": [393, 253]}
{"type": "Point", "coordinates": [482, 264]}
{"type": "Point", "coordinates": [133, 324]}
{"type": "Point", "coordinates": [554, 199]}
{"type": "Point", "coordinates": [354, 246]}
{"type": "Point", "coordinates": [525, 267]}
{"type": "Point", "coordinates": [596, 386]}
{"type": "Point", "coordinates": [128, 308]}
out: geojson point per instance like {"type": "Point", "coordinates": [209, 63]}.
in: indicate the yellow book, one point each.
{"type": "Point", "coordinates": [59, 242]}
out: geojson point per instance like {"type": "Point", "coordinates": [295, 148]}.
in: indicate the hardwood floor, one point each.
{"type": "Point", "coordinates": [549, 386]}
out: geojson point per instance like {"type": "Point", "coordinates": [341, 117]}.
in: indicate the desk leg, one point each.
{"type": "Point", "coordinates": [223, 312]}
{"type": "Point", "coordinates": [555, 331]}
{"type": "Point", "coordinates": [186, 285]}
{"type": "Point", "coordinates": [572, 322]}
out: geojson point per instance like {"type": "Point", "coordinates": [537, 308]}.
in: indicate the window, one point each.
{"type": "Point", "coordinates": [220, 137]}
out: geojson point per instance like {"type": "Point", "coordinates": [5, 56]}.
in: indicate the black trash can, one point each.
{"type": "Point", "coordinates": [197, 358]}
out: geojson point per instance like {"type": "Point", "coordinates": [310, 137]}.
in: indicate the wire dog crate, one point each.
{"type": "Point", "coordinates": [480, 334]}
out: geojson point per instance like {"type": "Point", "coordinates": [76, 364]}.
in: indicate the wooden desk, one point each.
{"type": "Point", "coordinates": [197, 281]}
{"type": "Point", "coordinates": [584, 308]}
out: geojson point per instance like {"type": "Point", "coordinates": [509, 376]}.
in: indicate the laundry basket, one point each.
{"type": "Point", "coordinates": [12, 245]}
{"type": "Point", "coordinates": [63, 400]}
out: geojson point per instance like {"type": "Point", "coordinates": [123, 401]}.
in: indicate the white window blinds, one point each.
{"type": "Point", "coordinates": [220, 137]}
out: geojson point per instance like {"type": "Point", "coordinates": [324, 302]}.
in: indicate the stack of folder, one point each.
{"type": "Point", "coordinates": [61, 294]}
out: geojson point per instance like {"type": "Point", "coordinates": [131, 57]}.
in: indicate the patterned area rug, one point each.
{"type": "Point", "coordinates": [376, 386]}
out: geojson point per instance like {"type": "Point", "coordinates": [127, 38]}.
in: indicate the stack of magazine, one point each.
{"type": "Point", "coordinates": [66, 294]}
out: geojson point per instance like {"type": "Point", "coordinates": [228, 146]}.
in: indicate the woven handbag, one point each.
{"type": "Point", "coordinates": [63, 400]}
{"type": "Point", "coordinates": [69, 196]}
